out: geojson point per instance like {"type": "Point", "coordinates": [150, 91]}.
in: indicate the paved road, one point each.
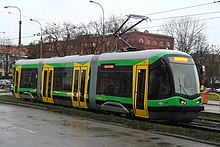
{"type": "Point", "coordinates": [28, 127]}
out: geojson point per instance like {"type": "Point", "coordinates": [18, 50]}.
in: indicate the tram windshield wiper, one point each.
{"type": "Point", "coordinates": [180, 85]}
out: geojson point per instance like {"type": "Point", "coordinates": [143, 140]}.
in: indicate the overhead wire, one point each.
{"type": "Point", "coordinates": [22, 37]}
{"type": "Point", "coordinates": [190, 15]}
{"type": "Point", "coordinates": [182, 22]}
{"type": "Point", "coordinates": [139, 28]}
{"type": "Point", "coordinates": [193, 6]}
{"type": "Point", "coordinates": [166, 11]}
{"type": "Point", "coordinates": [188, 7]}
{"type": "Point", "coordinates": [177, 9]}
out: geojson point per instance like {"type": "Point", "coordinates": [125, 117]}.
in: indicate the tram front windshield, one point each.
{"type": "Point", "coordinates": [185, 76]}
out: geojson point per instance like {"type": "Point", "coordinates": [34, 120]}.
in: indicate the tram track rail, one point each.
{"type": "Point", "coordinates": [203, 124]}
{"type": "Point", "coordinates": [198, 123]}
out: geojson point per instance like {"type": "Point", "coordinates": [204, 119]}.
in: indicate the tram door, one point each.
{"type": "Point", "coordinates": [47, 84]}
{"type": "Point", "coordinates": [17, 78]}
{"type": "Point", "coordinates": [80, 85]}
{"type": "Point", "coordinates": [141, 90]}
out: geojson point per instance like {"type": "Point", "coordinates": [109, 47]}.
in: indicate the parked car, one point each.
{"type": "Point", "coordinates": [208, 89]}
{"type": "Point", "coordinates": [217, 90]}
{"type": "Point", "coordinates": [4, 83]}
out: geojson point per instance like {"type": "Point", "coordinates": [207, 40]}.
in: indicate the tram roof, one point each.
{"type": "Point", "coordinates": [144, 54]}
{"type": "Point", "coordinates": [75, 58]}
{"type": "Point", "coordinates": [29, 61]}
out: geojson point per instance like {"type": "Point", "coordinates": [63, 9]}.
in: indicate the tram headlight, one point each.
{"type": "Point", "coordinates": [183, 102]}
{"type": "Point", "coordinates": [198, 102]}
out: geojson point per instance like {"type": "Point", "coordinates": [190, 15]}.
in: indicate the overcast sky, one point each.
{"type": "Point", "coordinates": [77, 11]}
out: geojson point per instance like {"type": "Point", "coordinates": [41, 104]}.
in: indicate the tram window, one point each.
{"type": "Point", "coordinates": [28, 78]}
{"type": "Point", "coordinates": [159, 85]}
{"type": "Point", "coordinates": [123, 84]}
{"type": "Point", "coordinates": [49, 83]}
{"type": "Point", "coordinates": [67, 79]}
{"type": "Point", "coordinates": [141, 88]}
{"type": "Point", "coordinates": [82, 89]}
{"type": "Point", "coordinates": [45, 81]}
{"type": "Point", "coordinates": [63, 79]}
{"type": "Point", "coordinates": [88, 81]}
{"type": "Point", "coordinates": [107, 86]}
{"type": "Point", "coordinates": [115, 83]}
{"type": "Point", "coordinates": [58, 82]}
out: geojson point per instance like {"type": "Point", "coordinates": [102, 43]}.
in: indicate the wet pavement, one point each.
{"type": "Point", "coordinates": [25, 127]}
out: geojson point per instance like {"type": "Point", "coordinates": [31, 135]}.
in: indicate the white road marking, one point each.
{"type": "Point", "coordinates": [18, 128]}
{"type": "Point", "coordinates": [27, 130]}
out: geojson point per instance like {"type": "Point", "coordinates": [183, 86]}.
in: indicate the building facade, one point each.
{"type": "Point", "coordinates": [94, 44]}
{"type": "Point", "coordinates": [8, 56]}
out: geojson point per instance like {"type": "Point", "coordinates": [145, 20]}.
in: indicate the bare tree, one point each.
{"type": "Point", "coordinates": [187, 32]}
{"type": "Point", "coordinates": [114, 23]}
{"type": "Point", "coordinates": [57, 38]}
{"type": "Point", "coordinates": [68, 30]}
{"type": "Point", "coordinates": [212, 64]}
{"type": "Point", "coordinates": [90, 35]}
{"type": "Point", "coordinates": [53, 32]}
{"type": "Point", "coordinates": [68, 38]}
{"type": "Point", "coordinates": [33, 50]}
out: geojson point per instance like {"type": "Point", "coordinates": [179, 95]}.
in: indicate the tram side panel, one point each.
{"type": "Point", "coordinates": [117, 86]}
{"type": "Point", "coordinates": [25, 81]}
{"type": "Point", "coordinates": [114, 88]}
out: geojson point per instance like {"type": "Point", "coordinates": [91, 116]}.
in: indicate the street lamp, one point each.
{"type": "Point", "coordinates": [19, 38]}
{"type": "Point", "coordinates": [41, 40]}
{"type": "Point", "coordinates": [103, 21]}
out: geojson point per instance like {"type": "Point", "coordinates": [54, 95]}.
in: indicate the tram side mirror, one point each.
{"type": "Point", "coordinates": [202, 69]}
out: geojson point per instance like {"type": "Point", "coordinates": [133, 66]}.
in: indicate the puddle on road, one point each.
{"type": "Point", "coordinates": [108, 133]}
{"type": "Point", "coordinates": [43, 119]}
{"type": "Point", "coordinates": [164, 144]}
{"type": "Point", "coordinates": [74, 124]}
{"type": "Point", "coordinates": [99, 129]}
{"type": "Point", "coordinates": [32, 117]}
{"type": "Point", "coordinates": [154, 138]}
{"type": "Point", "coordinates": [3, 112]}
{"type": "Point", "coordinates": [126, 134]}
{"type": "Point", "coordinates": [5, 128]}
{"type": "Point", "coordinates": [6, 109]}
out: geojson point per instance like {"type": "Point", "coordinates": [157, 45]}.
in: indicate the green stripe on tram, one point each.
{"type": "Point", "coordinates": [60, 93]}
{"type": "Point", "coordinates": [123, 100]}
{"type": "Point", "coordinates": [68, 64]}
{"type": "Point", "coordinates": [28, 89]}
{"type": "Point", "coordinates": [158, 56]}
{"type": "Point", "coordinates": [121, 62]}
{"type": "Point", "coordinates": [27, 65]}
